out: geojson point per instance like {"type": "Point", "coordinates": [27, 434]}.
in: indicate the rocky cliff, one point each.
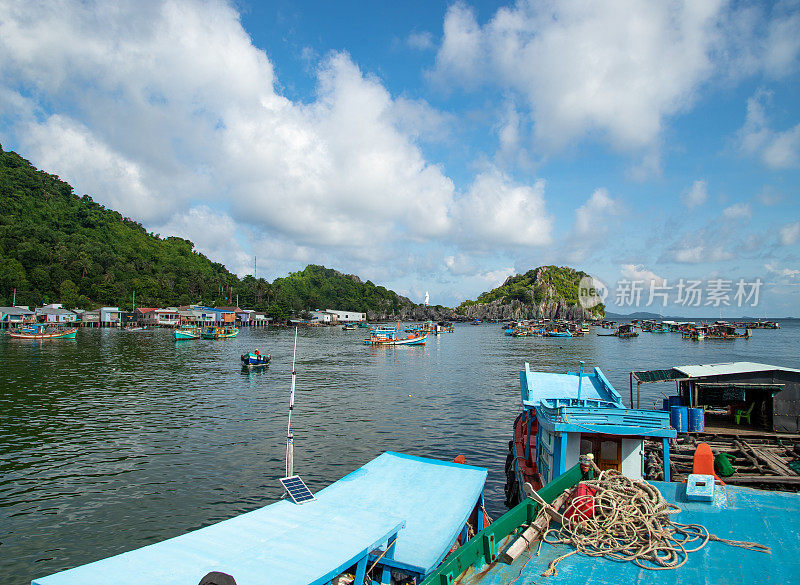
{"type": "Point", "coordinates": [550, 292]}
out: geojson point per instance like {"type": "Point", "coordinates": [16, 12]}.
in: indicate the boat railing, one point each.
{"type": "Point", "coordinates": [485, 547]}
{"type": "Point", "coordinates": [607, 415]}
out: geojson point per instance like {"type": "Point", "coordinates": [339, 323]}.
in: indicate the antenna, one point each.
{"type": "Point", "coordinates": [289, 435]}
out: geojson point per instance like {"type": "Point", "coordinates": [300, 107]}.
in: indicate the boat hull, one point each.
{"type": "Point", "coordinates": [67, 334]}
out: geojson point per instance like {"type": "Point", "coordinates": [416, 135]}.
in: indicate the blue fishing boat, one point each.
{"type": "Point", "coordinates": [568, 415]}
{"type": "Point", "coordinates": [749, 522]}
{"type": "Point", "coordinates": [392, 520]}
{"type": "Point", "coordinates": [255, 360]}
{"type": "Point", "coordinates": [387, 335]}
{"type": "Point", "coordinates": [556, 333]}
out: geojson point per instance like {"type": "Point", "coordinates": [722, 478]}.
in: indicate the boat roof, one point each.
{"type": "Point", "coordinates": [737, 513]}
{"type": "Point", "coordinates": [539, 386]}
{"type": "Point", "coordinates": [300, 543]}
{"type": "Point", "coordinates": [729, 368]}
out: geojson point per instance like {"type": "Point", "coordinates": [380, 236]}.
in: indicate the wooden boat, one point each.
{"type": "Point", "coordinates": [186, 332]}
{"type": "Point", "coordinates": [391, 336]}
{"type": "Point", "coordinates": [626, 331]}
{"type": "Point", "coordinates": [136, 329]}
{"type": "Point", "coordinates": [557, 333]}
{"type": "Point", "coordinates": [766, 519]}
{"type": "Point", "coordinates": [215, 332]}
{"type": "Point", "coordinates": [350, 327]}
{"type": "Point", "coordinates": [44, 331]}
{"type": "Point", "coordinates": [255, 360]}
{"type": "Point", "coordinates": [572, 414]}
{"type": "Point", "coordinates": [397, 514]}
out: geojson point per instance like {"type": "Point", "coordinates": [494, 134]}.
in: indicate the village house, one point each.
{"type": "Point", "coordinates": [16, 316]}
{"type": "Point", "coordinates": [55, 313]}
{"type": "Point", "coordinates": [109, 317]}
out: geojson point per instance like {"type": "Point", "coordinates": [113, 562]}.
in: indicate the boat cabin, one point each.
{"type": "Point", "coordinates": [578, 413]}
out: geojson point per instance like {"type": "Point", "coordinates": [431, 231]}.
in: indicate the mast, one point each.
{"type": "Point", "coordinates": [289, 435]}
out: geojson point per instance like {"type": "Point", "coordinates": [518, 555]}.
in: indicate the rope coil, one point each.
{"type": "Point", "coordinates": [631, 522]}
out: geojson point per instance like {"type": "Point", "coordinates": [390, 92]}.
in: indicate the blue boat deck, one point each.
{"type": "Point", "coordinates": [768, 518]}
{"type": "Point", "coordinates": [426, 500]}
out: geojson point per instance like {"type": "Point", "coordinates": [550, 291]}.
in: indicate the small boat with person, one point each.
{"type": "Point", "coordinates": [255, 360]}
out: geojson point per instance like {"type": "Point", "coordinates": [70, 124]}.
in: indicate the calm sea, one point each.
{"type": "Point", "coordinates": [116, 440]}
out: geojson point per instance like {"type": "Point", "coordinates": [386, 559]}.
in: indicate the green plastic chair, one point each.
{"type": "Point", "coordinates": [744, 414]}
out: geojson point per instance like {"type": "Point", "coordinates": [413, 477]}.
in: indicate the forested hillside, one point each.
{"type": "Point", "coordinates": [58, 247]}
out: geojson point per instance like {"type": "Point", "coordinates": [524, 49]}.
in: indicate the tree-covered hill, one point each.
{"type": "Point", "coordinates": [547, 291]}
{"type": "Point", "coordinates": [58, 247]}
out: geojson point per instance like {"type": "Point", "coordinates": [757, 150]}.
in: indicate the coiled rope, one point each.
{"type": "Point", "coordinates": [631, 522]}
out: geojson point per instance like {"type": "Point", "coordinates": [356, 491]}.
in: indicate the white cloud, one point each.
{"type": "Point", "coordinates": [701, 253]}
{"type": "Point", "coordinates": [637, 272]}
{"type": "Point", "coordinates": [787, 274]}
{"type": "Point", "coordinates": [214, 234]}
{"type": "Point", "coordinates": [790, 233]}
{"type": "Point", "coordinates": [592, 222]}
{"type": "Point", "coordinates": [582, 67]}
{"type": "Point", "coordinates": [697, 195]}
{"type": "Point", "coordinates": [776, 149]}
{"type": "Point", "coordinates": [615, 70]}
{"type": "Point", "coordinates": [167, 109]}
{"type": "Point", "coordinates": [495, 211]}
{"type": "Point", "coordinates": [420, 40]}
{"type": "Point", "coordinates": [737, 211]}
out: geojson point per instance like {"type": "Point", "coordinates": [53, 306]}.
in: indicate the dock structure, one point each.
{"type": "Point", "coordinates": [396, 513]}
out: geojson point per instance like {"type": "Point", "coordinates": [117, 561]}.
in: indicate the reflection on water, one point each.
{"type": "Point", "coordinates": [116, 440]}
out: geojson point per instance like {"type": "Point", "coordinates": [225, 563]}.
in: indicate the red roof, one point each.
{"type": "Point", "coordinates": [145, 309]}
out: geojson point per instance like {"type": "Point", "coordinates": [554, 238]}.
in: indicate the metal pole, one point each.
{"type": "Point", "coordinates": [580, 380]}
{"type": "Point", "coordinates": [14, 302]}
{"type": "Point", "coordinates": [289, 435]}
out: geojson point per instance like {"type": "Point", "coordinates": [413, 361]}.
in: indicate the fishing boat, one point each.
{"type": "Point", "coordinates": [522, 545]}
{"type": "Point", "coordinates": [349, 327]}
{"type": "Point", "coordinates": [391, 336]}
{"type": "Point", "coordinates": [186, 332]}
{"type": "Point", "coordinates": [397, 515]}
{"type": "Point", "coordinates": [255, 360]}
{"type": "Point", "coordinates": [44, 331]}
{"type": "Point", "coordinates": [136, 329]}
{"type": "Point", "coordinates": [626, 331]}
{"type": "Point", "coordinates": [557, 333]}
{"type": "Point", "coordinates": [215, 332]}
{"type": "Point", "coordinates": [567, 415]}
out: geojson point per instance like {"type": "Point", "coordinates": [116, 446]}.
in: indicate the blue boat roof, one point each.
{"type": "Point", "coordinates": [539, 386]}
{"type": "Point", "coordinates": [737, 513]}
{"type": "Point", "coordinates": [299, 544]}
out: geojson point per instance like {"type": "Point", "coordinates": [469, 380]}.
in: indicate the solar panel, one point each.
{"type": "Point", "coordinates": [297, 489]}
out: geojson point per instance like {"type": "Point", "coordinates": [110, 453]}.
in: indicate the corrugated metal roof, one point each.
{"type": "Point", "coordinates": [729, 368]}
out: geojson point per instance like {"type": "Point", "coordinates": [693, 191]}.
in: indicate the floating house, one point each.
{"type": "Point", "coordinates": [770, 395]}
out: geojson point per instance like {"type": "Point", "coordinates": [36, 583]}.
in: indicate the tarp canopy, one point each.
{"type": "Point", "coordinates": [649, 376]}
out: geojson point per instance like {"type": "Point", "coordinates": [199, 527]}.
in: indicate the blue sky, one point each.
{"type": "Point", "coordinates": [432, 146]}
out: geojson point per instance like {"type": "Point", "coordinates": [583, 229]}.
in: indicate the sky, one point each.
{"type": "Point", "coordinates": [434, 146]}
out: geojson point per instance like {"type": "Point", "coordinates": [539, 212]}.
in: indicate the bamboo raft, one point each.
{"type": "Point", "coordinates": [761, 461]}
